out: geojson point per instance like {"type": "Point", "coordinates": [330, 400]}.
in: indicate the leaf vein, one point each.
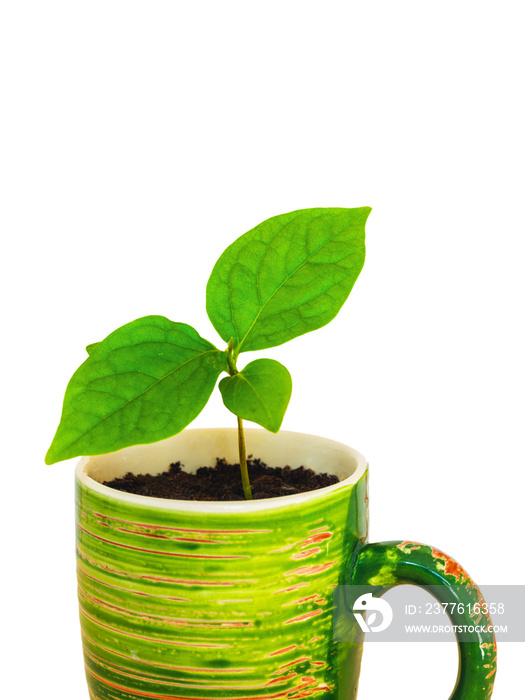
{"type": "Point", "coordinates": [286, 279]}
{"type": "Point", "coordinates": [119, 408]}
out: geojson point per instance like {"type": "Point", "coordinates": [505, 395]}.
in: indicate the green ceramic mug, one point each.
{"type": "Point", "coordinates": [204, 600]}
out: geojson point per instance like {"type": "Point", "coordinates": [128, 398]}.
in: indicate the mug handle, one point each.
{"type": "Point", "coordinates": [394, 563]}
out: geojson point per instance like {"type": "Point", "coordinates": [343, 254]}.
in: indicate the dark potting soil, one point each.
{"type": "Point", "coordinates": [223, 482]}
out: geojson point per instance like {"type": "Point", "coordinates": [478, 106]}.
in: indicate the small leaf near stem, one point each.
{"type": "Point", "coordinates": [232, 369]}
{"type": "Point", "coordinates": [260, 392]}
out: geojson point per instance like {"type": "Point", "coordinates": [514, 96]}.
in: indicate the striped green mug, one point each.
{"type": "Point", "coordinates": [202, 600]}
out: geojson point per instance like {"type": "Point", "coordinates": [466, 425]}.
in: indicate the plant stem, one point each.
{"type": "Point", "coordinates": [232, 369]}
{"type": "Point", "coordinates": [242, 461]}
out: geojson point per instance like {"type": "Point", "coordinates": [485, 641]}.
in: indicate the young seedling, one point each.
{"type": "Point", "coordinates": [150, 378]}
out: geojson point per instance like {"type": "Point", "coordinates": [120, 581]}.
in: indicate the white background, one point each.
{"type": "Point", "coordinates": [140, 138]}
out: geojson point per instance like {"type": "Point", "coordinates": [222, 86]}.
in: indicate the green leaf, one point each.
{"type": "Point", "coordinates": [287, 276]}
{"type": "Point", "coordinates": [260, 393]}
{"type": "Point", "coordinates": [90, 348]}
{"type": "Point", "coordinates": [145, 382]}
